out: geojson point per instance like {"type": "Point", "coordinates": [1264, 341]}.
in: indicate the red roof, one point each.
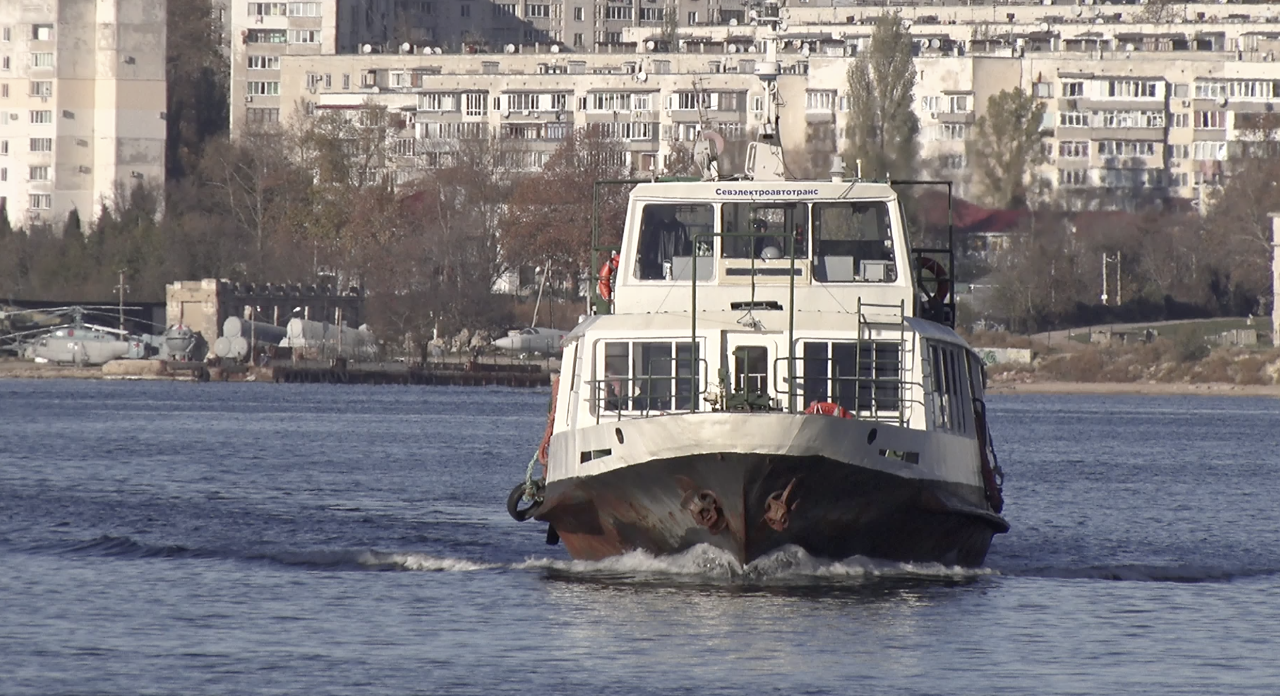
{"type": "Point", "coordinates": [967, 217]}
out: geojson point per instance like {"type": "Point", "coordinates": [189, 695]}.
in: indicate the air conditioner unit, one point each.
{"type": "Point", "coordinates": [933, 115]}
{"type": "Point", "coordinates": [248, 98]}
{"type": "Point", "coordinates": [1186, 103]}
{"type": "Point", "coordinates": [84, 169]}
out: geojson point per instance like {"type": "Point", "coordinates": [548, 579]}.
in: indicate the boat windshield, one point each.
{"type": "Point", "coordinates": [853, 241]}
{"type": "Point", "coordinates": [760, 230]}
{"type": "Point", "coordinates": [667, 232]}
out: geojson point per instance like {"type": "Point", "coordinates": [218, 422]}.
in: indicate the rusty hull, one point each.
{"type": "Point", "coordinates": [751, 504]}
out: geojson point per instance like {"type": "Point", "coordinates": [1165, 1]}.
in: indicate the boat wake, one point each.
{"type": "Point", "coordinates": [1140, 572]}
{"type": "Point", "coordinates": [786, 566]}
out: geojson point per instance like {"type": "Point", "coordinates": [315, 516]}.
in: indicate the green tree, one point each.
{"type": "Point", "coordinates": [1006, 147]}
{"type": "Point", "coordinates": [882, 125]}
{"type": "Point", "coordinates": [198, 75]}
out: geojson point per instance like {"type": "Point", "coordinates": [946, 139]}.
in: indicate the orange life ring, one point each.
{"type": "Point", "coordinates": [943, 288]}
{"type": "Point", "coordinates": [605, 285]}
{"type": "Point", "coordinates": [827, 408]}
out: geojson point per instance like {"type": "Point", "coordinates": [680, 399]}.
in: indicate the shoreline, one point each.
{"type": "Point", "coordinates": [1135, 388]}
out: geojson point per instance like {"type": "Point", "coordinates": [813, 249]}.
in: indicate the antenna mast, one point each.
{"type": "Point", "coordinates": [764, 157]}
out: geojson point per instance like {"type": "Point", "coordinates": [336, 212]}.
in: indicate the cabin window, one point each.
{"type": "Point", "coordinates": [649, 376]}
{"type": "Point", "coordinates": [863, 377]}
{"type": "Point", "coordinates": [751, 370]}
{"type": "Point", "coordinates": [669, 233]}
{"type": "Point", "coordinates": [764, 231]}
{"type": "Point", "coordinates": [853, 242]}
{"type": "Point", "coordinates": [947, 380]}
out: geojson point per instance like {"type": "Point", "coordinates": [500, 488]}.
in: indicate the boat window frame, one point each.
{"type": "Point", "coordinates": [602, 380]}
{"type": "Point", "coordinates": [948, 386]}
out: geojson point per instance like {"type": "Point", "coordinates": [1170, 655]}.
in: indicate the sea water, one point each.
{"type": "Point", "coordinates": [178, 538]}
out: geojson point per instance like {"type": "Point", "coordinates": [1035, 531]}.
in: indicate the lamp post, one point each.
{"type": "Point", "coordinates": [1115, 259]}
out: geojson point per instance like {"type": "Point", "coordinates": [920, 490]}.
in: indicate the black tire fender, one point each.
{"type": "Point", "coordinates": [517, 496]}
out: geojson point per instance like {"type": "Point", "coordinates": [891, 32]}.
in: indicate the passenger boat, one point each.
{"type": "Point", "coordinates": [770, 364]}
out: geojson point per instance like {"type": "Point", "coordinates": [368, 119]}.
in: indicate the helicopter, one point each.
{"type": "Point", "coordinates": [76, 343]}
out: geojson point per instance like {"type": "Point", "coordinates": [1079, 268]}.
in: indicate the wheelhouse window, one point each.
{"type": "Point", "coordinates": [668, 232]}
{"type": "Point", "coordinates": [853, 242]}
{"type": "Point", "coordinates": [764, 230]}
{"type": "Point", "coordinates": [864, 377]}
{"type": "Point", "coordinates": [947, 383]}
{"type": "Point", "coordinates": [649, 376]}
{"type": "Point", "coordinates": [751, 370]}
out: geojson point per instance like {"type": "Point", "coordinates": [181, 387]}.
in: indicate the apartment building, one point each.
{"type": "Point", "coordinates": [262, 33]}
{"type": "Point", "coordinates": [1132, 110]}
{"type": "Point", "coordinates": [82, 104]}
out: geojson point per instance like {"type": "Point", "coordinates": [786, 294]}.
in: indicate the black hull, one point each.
{"type": "Point", "coordinates": [750, 505]}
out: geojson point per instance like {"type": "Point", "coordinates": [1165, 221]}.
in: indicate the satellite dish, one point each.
{"type": "Point", "coordinates": [651, 44]}
{"type": "Point", "coordinates": [1044, 26]}
{"type": "Point", "coordinates": [1077, 10]}
{"type": "Point", "coordinates": [509, 48]}
{"type": "Point", "coordinates": [753, 15]}
{"type": "Point", "coordinates": [804, 50]}
{"type": "Point", "coordinates": [732, 48]}
{"type": "Point", "coordinates": [935, 43]}
{"type": "Point", "coordinates": [1222, 101]}
{"type": "Point", "coordinates": [438, 50]}
{"type": "Point", "coordinates": [366, 48]}
{"type": "Point", "coordinates": [506, 113]}
{"type": "Point", "coordinates": [555, 48]}
{"type": "Point", "coordinates": [783, 26]}
{"type": "Point", "coordinates": [406, 47]}
{"type": "Point", "coordinates": [642, 76]}
{"type": "Point", "coordinates": [1128, 47]}
{"type": "Point", "coordinates": [733, 22]}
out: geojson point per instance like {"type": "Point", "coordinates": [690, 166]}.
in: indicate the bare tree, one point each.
{"type": "Point", "coordinates": [1006, 147]}
{"type": "Point", "coordinates": [882, 125]}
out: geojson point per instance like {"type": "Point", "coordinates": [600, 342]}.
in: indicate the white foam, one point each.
{"type": "Point", "coordinates": [787, 564]}
{"type": "Point", "coordinates": [420, 562]}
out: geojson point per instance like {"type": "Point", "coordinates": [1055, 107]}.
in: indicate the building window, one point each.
{"type": "Point", "coordinates": [304, 9]}
{"type": "Point", "coordinates": [1073, 119]}
{"type": "Point", "coordinates": [477, 103]}
{"type": "Point", "coordinates": [41, 201]}
{"type": "Point", "coordinates": [43, 116]}
{"type": "Point", "coordinates": [267, 9]}
{"type": "Point", "coordinates": [613, 37]}
{"type": "Point", "coordinates": [958, 104]}
{"type": "Point", "coordinates": [464, 10]}
{"type": "Point", "coordinates": [1182, 120]}
{"type": "Point", "coordinates": [1211, 119]}
{"type": "Point", "coordinates": [1044, 90]}
{"type": "Point", "coordinates": [577, 40]}
{"type": "Point", "coordinates": [1133, 88]}
{"type": "Point", "coordinates": [1179, 152]}
{"type": "Point", "coordinates": [577, 14]}
{"type": "Point", "coordinates": [693, 18]}
{"type": "Point", "coordinates": [952, 162]}
{"type": "Point", "coordinates": [536, 10]}
{"type": "Point", "coordinates": [41, 88]}
{"type": "Point", "coordinates": [651, 14]}
{"type": "Point", "coordinates": [4, 63]}
{"type": "Point", "coordinates": [41, 32]}
{"type": "Point", "coordinates": [618, 12]}
{"type": "Point", "coordinates": [4, 147]}
{"type": "Point", "coordinates": [931, 104]}
{"type": "Point", "coordinates": [1127, 148]}
{"type": "Point", "coordinates": [263, 116]}
{"type": "Point", "coordinates": [42, 60]}
{"type": "Point", "coordinates": [4, 174]}
{"type": "Point", "coordinates": [1073, 177]}
{"type": "Point", "coordinates": [264, 62]}
{"type": "Point", "coordinates": [504, 9]}
{"type": "Point", "coordinates": [1211, 90]}
{"type": "Point", "coordinates": [1072, 89]}
{"type": "Point", "coordinates": [1130, 119]}
{"type": "Point", "coordinates": [38, 173]}
{"type": "Point", "coordinates": [40, 145]}
{"type": "Point", "coordinates": [1209, 151]}
{"type": "Point", "coordinates": [273, 36]}
{"type": "Point", "coordinates": [820, 100]}
{"type": "Point", "coordinates": [1073, 149]}
{"type": "Point", "coordinates": [4, 91]}
{"type": "Point", "coordinates": [304, 36]}
{"type": "Point", "coordinates": [263, 89]}
{"type": "Point", "coordinates": [6, 35]}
